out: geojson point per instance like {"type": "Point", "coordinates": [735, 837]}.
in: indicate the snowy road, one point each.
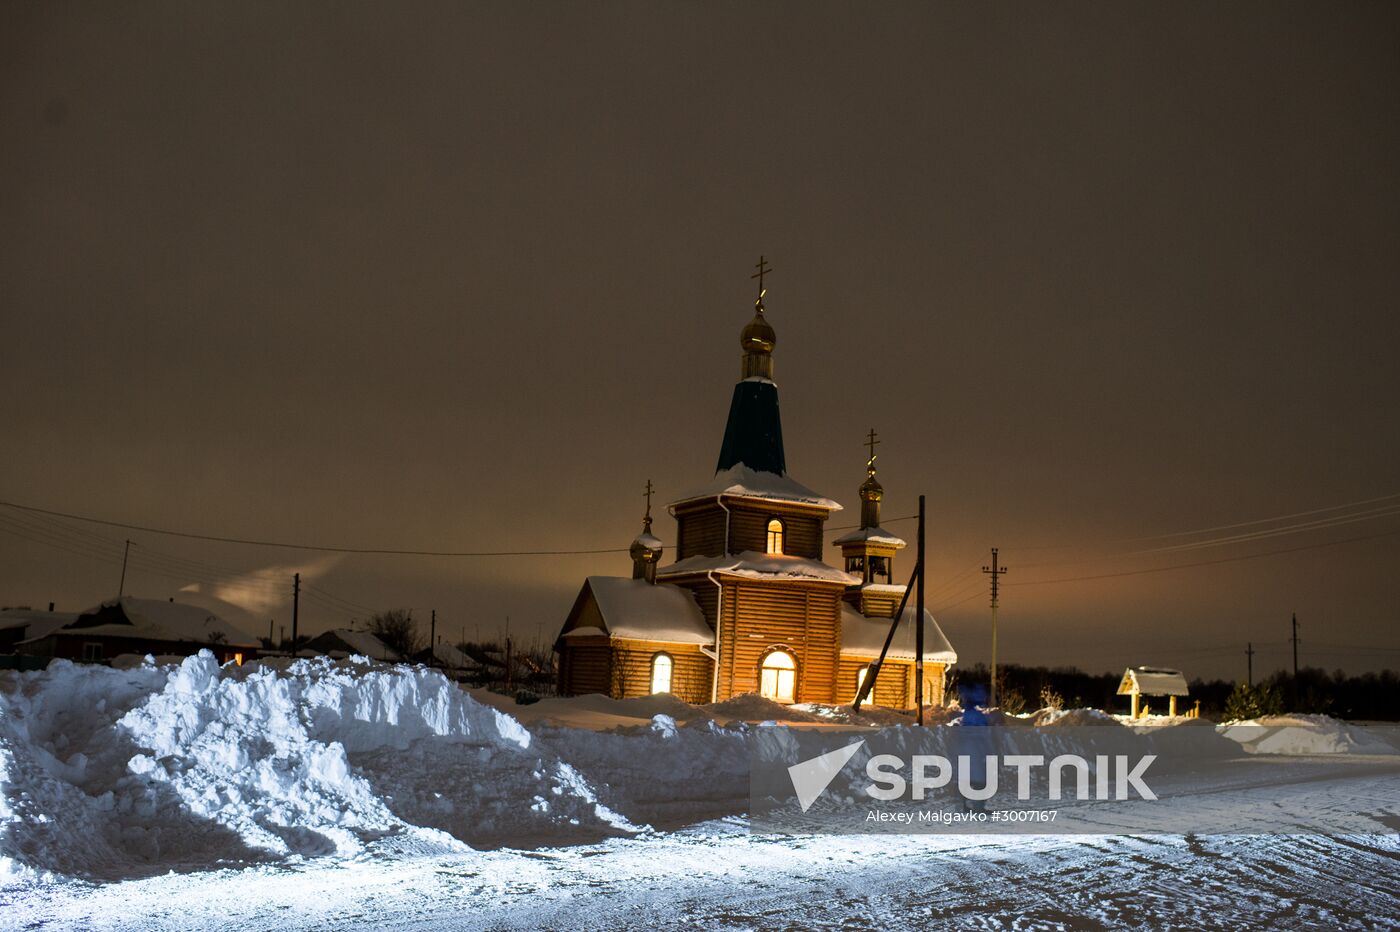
{"type": "Point", "coordinates": [716, 876]}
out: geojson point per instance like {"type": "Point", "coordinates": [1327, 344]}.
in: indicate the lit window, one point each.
{"type": "Point", "coordinates": [661, 674]}
{"type": "Point", "coordinates": [775, 536]}
{"type": "Point", "coordinates": [778, 677]}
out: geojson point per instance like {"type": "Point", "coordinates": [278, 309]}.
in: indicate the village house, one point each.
{"type": "Point", "coordinates": [142, 626]}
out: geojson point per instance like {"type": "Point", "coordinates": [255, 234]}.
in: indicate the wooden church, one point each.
{"type": "Point", "coordinates": [749, 605]}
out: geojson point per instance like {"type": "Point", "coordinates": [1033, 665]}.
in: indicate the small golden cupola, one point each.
{"type": "Point", "coordinates": [869, 550]}
{"type": "Point", "coordinates": [646, 548]}
{"type": "Point", "coordinates": [758, 338]}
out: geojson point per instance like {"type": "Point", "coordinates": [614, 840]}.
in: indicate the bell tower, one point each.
{"type": "Point", "coordinates": [869, 550]}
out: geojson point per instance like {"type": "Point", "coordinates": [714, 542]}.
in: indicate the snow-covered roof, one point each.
{"type": "Point", "coordinates": [739, 481]}
{"type": "Point", "coordinates": [649, 541]}
{"type": "Point", "coordinates": [634, 608]}
{"type": "Point", "coordinates": [874, 535]}
{"type": "Point", "coordinates": [588, 632]}
{"type": "Point", "coordinates": [863, 637]}
{"type": "Point", "coordinates": [1152, 681]}
{"type": "Point", "coordinates": [37, 624]}
{"type": "Point", "coordinates": [447, 655]}
{"type": "Point", "coordinates": [760, 566]}
{"type": "Point", "coordinates": [361, 643]}
{"type": "Point", "coordinates": [156, 620]}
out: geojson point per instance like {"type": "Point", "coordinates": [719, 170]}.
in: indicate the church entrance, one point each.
{"type": "Point", "coordinates": [778, 677]}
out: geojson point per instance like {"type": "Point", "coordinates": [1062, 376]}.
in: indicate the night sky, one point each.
{"type": "Point", "coordinates": [445, 276]}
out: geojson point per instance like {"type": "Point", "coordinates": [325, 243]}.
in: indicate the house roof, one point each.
{"type": "Point", "coordinates": [634, 608]}
{"type": "Point", "coordinates": [863, 637]}
{"type": "Point", "coordinates": [447, 655]}
{"type": "Point", "coordinates": [1152, 681]}
{"type": "Point", "coordinates": [156, 620]}
{"type": "Point", "coordinates": [741, 481]}
{"type": "Point", "coordinates": [36, 624]}
{"type": "Point", "coordinates": [360, 643]}
{"type": "Point", "coordinates": [755, 565]}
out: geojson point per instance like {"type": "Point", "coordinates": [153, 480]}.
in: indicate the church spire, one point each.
{"type": "Point", "coordinates": [646, 548]}
{"type": "Point", "coordinates": [753, 436]}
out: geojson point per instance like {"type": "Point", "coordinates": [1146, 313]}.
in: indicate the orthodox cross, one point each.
{"type": "Point", "coordinates": [649, 490]}
{"type": "Point", "coordinates": [763, 269]}
{"type": "Point", "coordinates": [871, 443]}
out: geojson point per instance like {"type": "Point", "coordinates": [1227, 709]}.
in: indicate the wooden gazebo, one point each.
{"type": "Point", "coordinates": [1152, 681]}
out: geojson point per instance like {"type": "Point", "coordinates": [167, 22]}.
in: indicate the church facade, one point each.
{"type": "Point", "coordinates": [749, 605]}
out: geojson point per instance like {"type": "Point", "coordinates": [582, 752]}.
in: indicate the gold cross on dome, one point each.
{"type": "Point", "coordinates": [763, 269]}
{"type": "Point", "coordinates": [871, 443]}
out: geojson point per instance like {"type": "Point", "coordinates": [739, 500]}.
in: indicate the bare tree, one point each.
{"type": "Point", "coordinates": [396, 629]}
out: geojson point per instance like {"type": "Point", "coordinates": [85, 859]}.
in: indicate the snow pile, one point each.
{"type": "Point", "coordinates": [121, 773]}
{"type": "Point", "coordinates": [1071, 717]}
{"type": "Point", "coordinates": [1304, 735]}
{"type": "Point", "coordinates": [663, 773]}
{"type": "Point", "coordinates": [751, 707]}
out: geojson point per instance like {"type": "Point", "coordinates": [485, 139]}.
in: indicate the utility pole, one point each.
{"type": "Point", "coordinates": [432, 639]}
{"type": "Point", "coordinates": [1249, 664]}
{"type": "Point", "coordinates": [296, 607]}
{"type": "Point", "coordinates": [1295, 650]}
{"type": "Point", "coordinates": [121, 586]}
{"type": "Point", "coordinates": [919, 619]}
{"type": "Point", "coordinates": [1294, 684]}
{"type": "Point", "coordinates": [995, 572]}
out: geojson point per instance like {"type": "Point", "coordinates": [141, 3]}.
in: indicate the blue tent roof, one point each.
{"type": "Point", "coordinates": [754, 434]}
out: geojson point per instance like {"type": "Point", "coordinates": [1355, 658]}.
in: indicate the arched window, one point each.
{"type": "Point", "coordinates": [778, 677]}
{"type": "Point", "coordinates": [661, 673]}
{"type": "Point", "coordinates": [775, 536]}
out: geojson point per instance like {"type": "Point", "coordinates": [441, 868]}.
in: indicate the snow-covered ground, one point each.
{"type": "Point", "coordinates": [316, 794]}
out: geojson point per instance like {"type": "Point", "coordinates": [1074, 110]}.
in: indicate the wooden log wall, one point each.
{"type": "Point", "coordinates": [691, 671]}
{"type": "Point", "coordinates": [748, 529]}
{"type": "Point", "coordinates": [700, 531]}
{"type": "Point", "coordinates": [585, 668]}
{"type": "Point", "coordinates": [879, 604]}
{"type": "Point", "coordinates": [800, 617]}
{"type": "Point", "coordinates": [894, 689]}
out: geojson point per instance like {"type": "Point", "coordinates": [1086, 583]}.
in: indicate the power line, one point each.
{"type": "Point", "coordinates": [73, 540]}
{"type": "Point", "coordinates": [1333, 521]}
{"type": "Point", "coordinates": [378, 551]}
{"type": "Point", "coordinates": [1185, 566]}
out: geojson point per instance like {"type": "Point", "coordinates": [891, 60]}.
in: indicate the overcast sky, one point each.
{"type": "Point", "coordinates": [457, 276]}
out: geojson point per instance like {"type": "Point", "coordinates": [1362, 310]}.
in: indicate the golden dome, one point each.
{"type": "Point", "coordinates": [758, 336]}
{"type": "Point", "coordinates": [871, 489]}
{"type": "Point", "coordinates": [646, 548]}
